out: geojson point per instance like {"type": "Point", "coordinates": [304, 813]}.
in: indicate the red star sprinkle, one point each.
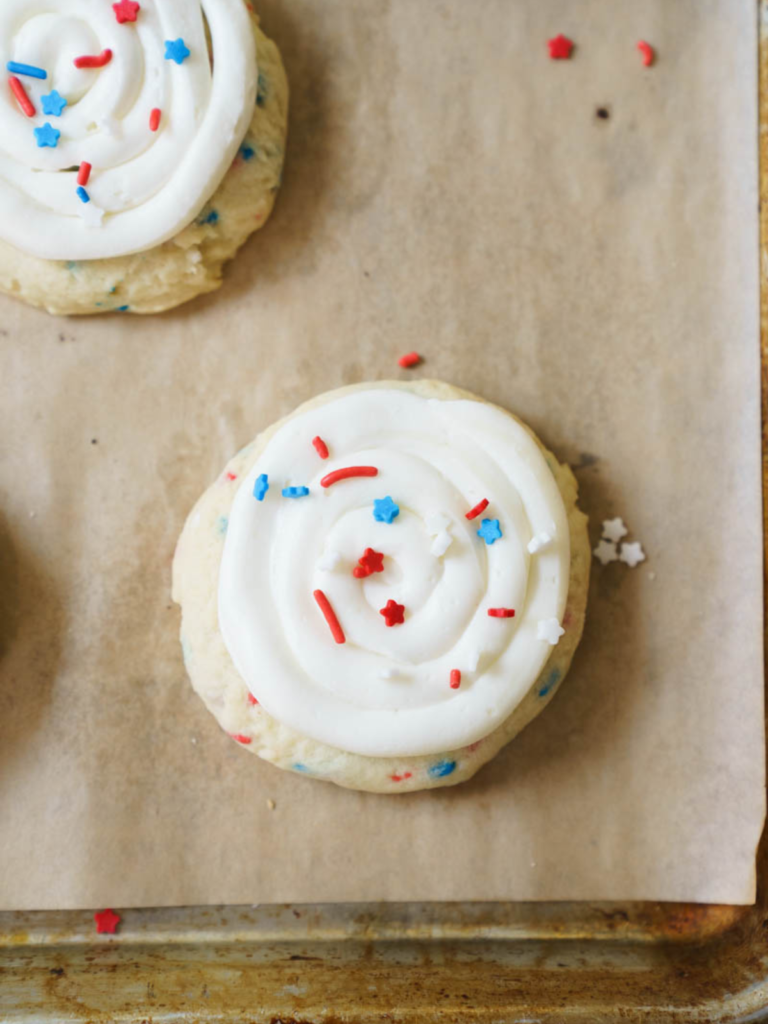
{"type": "Point", "coordinates": [126, 10]}
{"type": "Point", "coordinates": [106, 922]}
{"type": "Point", "coordinates": [371, 562]}
{"type": "Point", "coordinates": [646, 51]}
{"type": "Point", "coordinates": [560, 47]}
{"type": "Point", "coordinates": [394, 613]}
{"type": "Point", "coordinates": [252, 699]}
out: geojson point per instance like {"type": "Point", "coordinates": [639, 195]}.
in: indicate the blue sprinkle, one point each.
{"type": "Point", "coordinates": [122, 309]}
{"type": "Point", "coordinates": [295, 492]}
{"type": "Point", "coordinates": [552, 680]}
{"type": "Point", "coordinates": [112, 290]}
{"type": "Point", "coordinates": [441, 769]}
{"type": "Point", "coordinates": [261, 95]}
{"type": "Point", "coordinates": [299, 767]}
{"type": "Point", "coordinates": [261, 487]}
{"type": "Point", "coordinates": [490, 531]}
{"type": "Point", "coordinates": [53, 103]}
{"type": "Point", "coordinates": [222, 524]}
{"type": "Point", "coordinates": [26, 69]}
{"type": "Point", "coordinates": [212, 218]}
{"type": "Point", "coordinates": [47, 136]}
{"type": "Point", "coordinates": [176, 50]}
{"type": "Point", "coordinates": [72, 267]}
{"type": "Point", "coordinates": [83, 195]}
{"type": "Point", "coordinates": [248, 152]}
{"type": "Point", "coordinates": [385, 510]}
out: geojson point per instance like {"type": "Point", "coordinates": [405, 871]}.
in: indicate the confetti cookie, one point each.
{"type": "Point", "coordinates": [140, 145]}
{"type": "Point", "coordinates": [385, 587]}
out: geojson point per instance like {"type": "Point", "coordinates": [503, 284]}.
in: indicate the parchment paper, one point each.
{"type": "Point", "coordinates": [449, 189]}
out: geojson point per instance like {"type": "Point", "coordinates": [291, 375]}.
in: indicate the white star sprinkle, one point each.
{"type": "Point", "coordinates": [437, 523]}
{"type": "Point", "coordinates": [632, 554]}
{"type": "Point", "coordinates": [539, 541]}
{"type": "Point", "coordinates": [606, 552]}
{"type": "Point", "coordinates": [441, 543]}
{"type": "Point", "coordinates": [549, 630]}
{"type": "Point", "coordinates": [92, 215]}
{"type": "Point", "coordinates": [614, 529]}
{"type": "Point", "coordinates": [330, 561]}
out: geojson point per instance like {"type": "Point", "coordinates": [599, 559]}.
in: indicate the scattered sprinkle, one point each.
{"type": "Point", "coordinates": [330, 616]}
{"type": "Point", "coordinates": [176, 50]}
{"type": "Point", "coordinates": [231, 476]}
{"type": "Point", "coordinates": [455, 679]}
{"type": "Point", "coordinates": [26, 69]}
{"type": "Point", "coordinates": [329, 561]}
{"type": "Point", "coordinates": [271, 804]}
{"type": "Point", "coordinates": [248, 152]}
{"type": "Point", "coordinates": [481, 506]}
{"type": "Point", "coordinates": [409, 360]}
{"type": "Point", "coordinates": [53, 103]}
{"type": "Point", "coordinates": [441, 768]}
{"type": "Point", "coordinates": [614, 529]}
{"type": "Point", "coordinates": [93, 216]}
{"type": "Point", "coordinates": [385, 510]}
{"type": "Point", "coordinates": [320, 447]}
{"type": "Point", "coordinates": [436, 523]}
{"type": "Point", "coordinates": [550, 682]}
{"type": "Point", "coordinates": [371, 562]}
{"type": "Point", "coordinates": [126, 10]}
{"type": "Point", "coordinates": [238, 736]}
{"type": "Point", "coordinates": [252, 699]}
{"type": "Point", "coordinates": [106, 922]}
{"type": "Point", "coordinates": [606, 552]}
{"type": "Point", "coordinates": [441, 543]}
{"type": "Point", "coordinates": [222, 525]}
{"type": "Point", "coordinates": [632, 554]}
{"type": "Point", "coordinates": [549, 630]}
{"type": "Point", "coordinates": [260, 487]}
{"type": "Point", "coordinates": [490, 531]}
{"type": "Point", "coordinates": [22, 99]}
{"type": "Point", "coordinates": [210, 218]}
{"type": "Point", "coordinates": [299, 767]}
{"type": "Point", "coordinates": [295, 492]}
{"type": "Point", "coordinates": [399, 778]}
{"type": "Point", "coordinates": [539, 541]}
{"type": "Point", "coordinates": [83, 195]}
{"type": "Point", "coordinates": [501, 613]}
{"type": "Point", "coordinates": [347, 473]}
{"type": "Point", "coordinates": [154, 119]}
{"type": "Point", "coordinates": [394, 613]}
{"type": "Point", "coordinates": [560, 47]}
{"type": "Point", "coordinates": [99, 61]}
{"type": "Point", "coordinates": [47, 136]}
{"type": "Point", "coordinates": [646, 52]}
{"type": "Point", "coordinates": [84, 173]}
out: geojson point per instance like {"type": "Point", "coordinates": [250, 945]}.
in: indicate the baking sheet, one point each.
{"type": "Point", "coordinates": [451, 190]}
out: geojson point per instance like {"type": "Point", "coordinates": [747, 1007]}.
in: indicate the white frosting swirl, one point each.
{"type": "Point", "coordinates": [150, 184]}
{"type": "Point", "coordinates": [386, 691]}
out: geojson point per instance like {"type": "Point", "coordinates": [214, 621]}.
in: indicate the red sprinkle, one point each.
{"type": "Point", "coordinates": [20, 93]}
{"type": "Point", "coordinates": [106, 922]}
{"type": "Point", "coordinates": [501, 613]}
{"type": "Point", "coordinates": [371, 562]}
{"type": "Point", "coordinates": [647, 53]}
{"type": "Point", "coordinates": [399, 778]}
{"type": "Point", "coordinates": [481, 506]}
{"type": "Point", "coordinates": [245, 740]}
{"type": "Point", "coordinates": [84, 173]}
{"type": "Point", "coordinates": [345, 474]}
{"type": "Point", "coordinates": [409, 360]}
{"type": "Point", "coordinates": [320, 447]}
{"type": "Point", "coordinates": [330, 616]}
{"type": "Point", "coordinates": [231, 476]}
{"type": "Point", "coordinates": [154, 119]}
{"type": "Point", "coordinates": [455, 679]}
{"type": "Point", "coordinates": [94, 62]}
{"type": "Point", "coordinates": [560, 47]}
{"type": "Point", "coordinates": [252, 699]}
{"type": "Point", "coordinates": [394, 613]}
{"type": "Point", "coordinates": [126, 10]}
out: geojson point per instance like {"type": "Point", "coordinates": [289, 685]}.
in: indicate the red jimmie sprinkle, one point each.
{"type": "Point", "coordinates": [501, 613]}
{"type": "Point", "coordinates": [345, 474]}
{"type": "Point", "coordinates": [320, 447]}
{"type": "Point", "coordinates": [481, 506]}
{"type": "Point", "coordinates": [252, 699]}
{"type": "Point", "coordinates": [231, 476]}
{"type": "Point", "coordinates": [106, 922]}
{"type": "Point", "coordinates": [455, 679]}
{"type": "Point", "coordinates": [409, 360]}
{"type": "Point", "coordinates": [330, 616]}
{"type": "Point", "coordinates": [84, 173]}
{"type": "Point", "coordinates": [99, 61]}
{"type": "Point", "coordinates": [154, 119]}
{"type": "Point", "coordinates": [399, 778]}
{"type": "Point", "coordinates": [646, 51]}
{"type": "Point", "coordinates": [22, 99]}
{"type": "Point", "coordinates": [245, 740]}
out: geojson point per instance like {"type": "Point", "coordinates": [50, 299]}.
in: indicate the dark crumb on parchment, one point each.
{"type": "Point", "coordinates": [603, 113]}
{"type": "Point", "coordinates": [94, 440]}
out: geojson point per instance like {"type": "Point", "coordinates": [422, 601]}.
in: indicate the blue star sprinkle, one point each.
{"type": "Point", "coordinates": [385, 510]}
{"type": "Point", "coordinates": [490, 531]}
{"type": "Point", "coordinates": [53, 103]}
{"type": "Point", "coordinates": [47, 136]}
{"type": "Point", "coordinates": [295, 492]}
{"type": "Point", "coordinates": [261, 487]}
{"type": "Point", "coordinates": [176, 50]}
